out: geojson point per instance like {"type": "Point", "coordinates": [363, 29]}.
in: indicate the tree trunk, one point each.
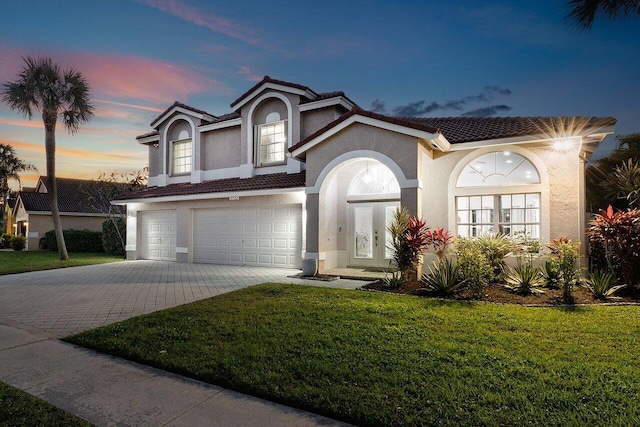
{"type": "Point", "coordinates": [5, 194]}
{"type": "Point", "coordinates": [49, 118]}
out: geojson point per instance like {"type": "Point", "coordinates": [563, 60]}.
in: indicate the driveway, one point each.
{"type": "Point", "coordinates": [70, 300]}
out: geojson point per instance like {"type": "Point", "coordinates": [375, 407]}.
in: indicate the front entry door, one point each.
{"type": "Point", "coordinates": [368, 233]}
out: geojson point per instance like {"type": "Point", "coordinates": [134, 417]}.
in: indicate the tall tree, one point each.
{"type": "Point", "coordinates": [43, 87]}
{"type": "Point", "coordinates": [583, 12]}
{"type": "Point", "coordinates": [10, 168]}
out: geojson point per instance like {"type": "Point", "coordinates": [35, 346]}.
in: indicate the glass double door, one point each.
{"type": "Point", "coordinates": [369, 238]}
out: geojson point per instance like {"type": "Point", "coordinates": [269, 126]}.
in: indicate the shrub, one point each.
{"type": "Point", "coordinates": [473, 264]}
{"type": "Point", "coordinates": [111, 240]}
{"type": "Point", "coordinates": [76, 240]}
{"type": "Point", "coordinates": [496, 246]}
{"type": "Point", "coordinates": [619, 233]}
{"type": "Point", "coordinates": [602, 284]}
{"type": "Point", "coordinates": [408, 241]}
{"type": "Point", "coordinates": [566, 254]}
{"type": "Point", "coordinates": [443, 278]}
{"type": "Point", "coordinates": [18, 243]}
{"type": "Point", "coordinates": [439, 239]}
{"type": "Point", "coordinates": [524, 279]}
{"type": "Point", "coordinates": [5, 241]}
{"type": "Point", "coordinates": [551, 274]}
{"type": "Point", "coordinates": [522, 242]}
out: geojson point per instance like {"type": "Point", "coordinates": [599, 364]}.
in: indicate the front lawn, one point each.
{"type": "Point", "coordinates": [21, 262]}
{"type": "Point", "coordinates": [18, 408]}
{"type": "Point", "coordinates": [378, 359]}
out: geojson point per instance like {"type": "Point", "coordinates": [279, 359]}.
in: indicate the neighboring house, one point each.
{"type": "Point", "coordinates": [292, 174]}
{"type": "Point", "coordinates": [32, 212]}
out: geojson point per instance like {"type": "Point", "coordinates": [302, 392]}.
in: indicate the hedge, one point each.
{"type": "Point", "coordinates": [110, 241]}
{"type": "Point", "coordinates": [75, 240]}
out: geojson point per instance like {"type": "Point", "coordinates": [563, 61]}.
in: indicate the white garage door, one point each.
{"type": "Point", "coordinates": [158, 235]}
{"type": "Point", "coordinates": [268, 236]}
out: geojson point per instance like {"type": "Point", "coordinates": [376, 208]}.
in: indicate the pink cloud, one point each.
{"type": "Point", "coordinates": [249, 74]}
{"type": "Point", "coordinates": [124, 104]}
{"type": "Point", "coordinates": [205, 19]}
{"type": "Point", "coordinates": [124, 76]}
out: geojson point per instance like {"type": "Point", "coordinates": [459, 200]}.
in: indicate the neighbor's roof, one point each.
{"type": "Point", "coordinates": [227, 185]}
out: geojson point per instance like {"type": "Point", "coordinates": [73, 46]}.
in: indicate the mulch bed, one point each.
{"type": "Point", "coordinates": [497, 293]}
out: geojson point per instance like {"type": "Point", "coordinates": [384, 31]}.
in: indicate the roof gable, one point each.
{"type": "Point", "coordinates": [269, 83]}
{"type": "Point", "coordinates": [182, 108]}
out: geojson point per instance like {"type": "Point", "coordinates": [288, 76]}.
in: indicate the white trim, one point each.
{"type": "Point", "coordinates": [434, 138]}
{"type": "Point", "coordinates": [167, 155]}
{"type": "Point", "coordinates": [542, 188]}
{"type": "Point", "coordinates": [149, 139]}
{"type": "Point", "coordinates": [338, 100]}
{"type": "Point", "coordinates": [272, 86]}
{"type": "Point", "coordinates": [388, 162]}
{"type": "Point", "coordinates": [178, 109]}
{"type": "Point", "coordinates": [220, 125]}
{"type": "Point", "coordinates": [182, 250]}
{"type": "Point", "coordinates": [250, 141]}
{"type": "Point", "coordinates": [213, 174]}
{"type": "Point", "coordinates": [211, 196]}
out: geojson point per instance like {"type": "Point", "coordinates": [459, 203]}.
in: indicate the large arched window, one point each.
{"type": "Point", "coordinates": [375, 178]}
{"type": "Point", "coordinates": [181, 154]}
{"type": "Point", "coordinates": [500, 195]}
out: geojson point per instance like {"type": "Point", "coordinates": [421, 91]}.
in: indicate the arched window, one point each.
{"type": "Point", "coordinates": [181, 154]}
{"type": "Point", "coordinates": [375, 178]}
{"type": "Point", "coordinates": [500, 195]}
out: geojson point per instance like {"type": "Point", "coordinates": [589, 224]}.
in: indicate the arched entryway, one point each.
{"type": "Point", "coordinates": [357, 200]}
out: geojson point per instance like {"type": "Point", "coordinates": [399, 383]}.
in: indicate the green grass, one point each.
{"type": "Point", "coordinates": [21, 262]}
{"type": "Point", "coordinates": [376, 359]}
{"type": "Point", "coordinates": [18, 408]}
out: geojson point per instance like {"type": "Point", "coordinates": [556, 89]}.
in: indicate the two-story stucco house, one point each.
{"type": "Point", "coordinates": [293, 175]}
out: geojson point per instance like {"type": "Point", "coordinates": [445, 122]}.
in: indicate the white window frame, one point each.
{"type": "Point", "coordinates": [259, 143]}
{"type": "Point", "coordinates": [174, 158]}
{"type": "Point", "coordinates": [497, 190]}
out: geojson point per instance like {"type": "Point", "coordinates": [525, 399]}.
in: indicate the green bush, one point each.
{"type": "Point", "coordinates": [496, 246]}
{"type": "Point", "coordinates": [76, 240]}
{"type": "Point", "coordinates": [5, 241]}
{"type": "Point", "coordinates": [473, 264]}
{"type": "Point", "coordinates": [602, 284]}
{"type": "Point", "coordinates": [566, 253]}
{"type": "Point", "coordinates": [443, 278]}
{"type": "Point", "coordinates": [18, 243]}
{"type": "Point", "coordinates": [524, 279]}
{"type": "Point", "coordinates": [110, 240]}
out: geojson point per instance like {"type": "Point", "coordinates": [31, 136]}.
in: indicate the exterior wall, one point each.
{"type": "Point", "coordinates": [39, 225]}
{"type": "Point", "coordinates": [221, 148]}
{"type": "Point", "coordinates": [184, 210]}
{"type": "Point", "coordinates": [155, 161]}
{"type": "Point", "coordinates": [313, 120]}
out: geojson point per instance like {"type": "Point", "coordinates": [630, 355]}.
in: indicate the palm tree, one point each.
{"type": "Point", "coordinates": [10, 167]}
{"type": "Point", "coordinates": [583, 12]}
{"type": "Point", "coordinates": [42, 87]}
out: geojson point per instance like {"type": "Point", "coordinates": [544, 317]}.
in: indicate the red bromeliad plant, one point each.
{"type": "Point", "coordinates": [619, 233]}
{"type": "Point", "coordinates": [409, 241]}
{"type": "Point", "coordinates": [439, 239]}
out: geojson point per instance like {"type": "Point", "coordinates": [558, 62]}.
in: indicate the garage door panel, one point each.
{"type": "Point", "coordinates": [158, 235]}
{"type": "Point", "coordinates": [261, 236]}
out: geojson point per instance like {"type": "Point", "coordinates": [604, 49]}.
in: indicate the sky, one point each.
{"type": "Point", "coordinates": [421, 58]}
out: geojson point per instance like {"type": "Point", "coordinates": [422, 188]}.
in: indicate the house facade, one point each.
{"type": "Point", "coordinates": [32, 211]}
{"type": "Point", "coordinates": [294, 176]}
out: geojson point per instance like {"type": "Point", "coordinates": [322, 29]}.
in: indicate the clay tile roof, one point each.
{"type": "Point", "coordinates": [267, 79]}
{"type": "Point", "coordinates": [181, 105]}
{"type": "Point", "coordinates": [258, 182]}
{"type": "Point", "coordinates": [467, 129]}
{"type": "Point", "coordinates": [225, 117]}
{"type": "Point", "coordinates": [359, 111]}
{"type": "Point", "coordinates": [146, 135]}
{"type": "Point", "coordinates": [328, 95]}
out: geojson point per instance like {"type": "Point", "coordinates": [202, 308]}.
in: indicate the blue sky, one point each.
{"type": "Point", "coordinates": [506, 58]}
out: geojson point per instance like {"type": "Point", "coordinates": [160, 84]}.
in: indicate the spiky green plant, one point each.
{"type": "Point", "coordinates": [524, 279]}
{"type": "Point", "coordinates": [496, 247]}
{"type": "Point", "coordinates": [602, 284]}
{"type": "Point", "coordinates": [551, 274]}
{"type": "Point", "coordinates": [443, 278]}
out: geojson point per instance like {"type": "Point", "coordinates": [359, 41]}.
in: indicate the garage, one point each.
{"type": "Point", "coordinates": [266, 236]}
{"type": "Point", "coordinates": [158, 235]}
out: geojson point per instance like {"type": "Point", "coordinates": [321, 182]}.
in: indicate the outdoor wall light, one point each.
{"type": "Point", "coordinates": [565, 144]}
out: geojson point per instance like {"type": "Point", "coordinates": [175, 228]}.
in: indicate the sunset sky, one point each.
{"type": "Point", "coordinates": [429, 58]}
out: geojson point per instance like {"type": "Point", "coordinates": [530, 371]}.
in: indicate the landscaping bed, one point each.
{"type": "Point", "coordinates": [377, 359]}
{"type": "Point", "coordinates": [497, 293]}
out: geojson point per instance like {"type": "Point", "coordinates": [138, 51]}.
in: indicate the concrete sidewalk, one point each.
{"type": "Point", "coordinates": [108, 391]}
{"type": "Point", "coordinates": [38, 308]}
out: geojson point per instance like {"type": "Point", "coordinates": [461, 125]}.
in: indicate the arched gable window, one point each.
{"type": "Point", "coordinates": [501, 195]}
{"type": "Point", "coordinates": [181, 154]}
{"type": "Point", "coordinates": [375, 178]}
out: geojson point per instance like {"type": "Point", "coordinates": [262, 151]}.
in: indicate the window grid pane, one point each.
{"type": "Point", "coordinates": [273, 142]}
{"type": "Point", "coordinates": [509, 213]}
{"type": "Point", "coordinates": [182, 156]}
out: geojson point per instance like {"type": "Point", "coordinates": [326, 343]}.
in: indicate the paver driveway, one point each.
{"type": "Point", "coordinates": [70, 300]}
